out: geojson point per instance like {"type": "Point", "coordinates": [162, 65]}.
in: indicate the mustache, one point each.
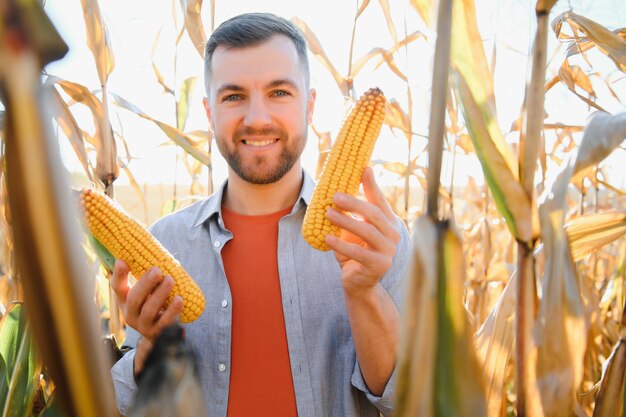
{"type": "Point", "coordinates": [266, 131]}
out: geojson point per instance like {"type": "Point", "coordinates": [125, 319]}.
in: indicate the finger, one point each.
{"type": "Point", "coordinates": [375, 195]}
{"type": "Point", "coordinates": [365, 231]}
{"type": "Point", "coordinates": [170, 315]}
{"type": "Point", "coordinates": [151, 307]}
{"type": "Point", "coordinates": [139, 293]}
{"type": "Point", "coordinates": [370, 212]}
{"type": "Point", "coordinates": [119, 280]}
{"type": "Point", "coordinates": [374, 262]}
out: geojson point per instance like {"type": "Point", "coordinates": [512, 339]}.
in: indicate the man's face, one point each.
{"type": "Point", "coordinates": [259, 108]}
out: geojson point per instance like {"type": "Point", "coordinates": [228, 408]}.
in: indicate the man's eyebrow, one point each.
{"type": "Point", "coordinates": [284, 82]}
{"type": "Point", "coordinates": [228, 87]}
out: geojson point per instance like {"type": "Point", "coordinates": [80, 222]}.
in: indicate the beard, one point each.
{"type": "Point", "coordinates": [262, 169]}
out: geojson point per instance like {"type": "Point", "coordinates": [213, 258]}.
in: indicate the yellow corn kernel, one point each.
{"type": "Point", "coordinates": [344, 165]}
{"type": "Point", "coordinates": [128, 240]}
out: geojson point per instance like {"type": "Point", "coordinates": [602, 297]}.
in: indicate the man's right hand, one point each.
{"type": "Point", "coordinates": [143, 305]}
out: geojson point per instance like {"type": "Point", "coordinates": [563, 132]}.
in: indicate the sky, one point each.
{"type": "Point", "coordinates": [134, 25]}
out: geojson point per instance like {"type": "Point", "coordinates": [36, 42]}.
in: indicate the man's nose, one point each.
{"type": "Point", "coordinates": [257, 114]}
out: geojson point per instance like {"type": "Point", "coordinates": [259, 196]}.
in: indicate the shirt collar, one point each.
{"type": "Point", "coordinates": [213, 204]}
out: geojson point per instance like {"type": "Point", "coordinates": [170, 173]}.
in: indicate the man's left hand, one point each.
{"type": "Point", "coordinates": [368, 239]}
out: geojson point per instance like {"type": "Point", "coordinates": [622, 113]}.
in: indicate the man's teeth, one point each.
{"type": "Point", "coordinates": [259, 142]}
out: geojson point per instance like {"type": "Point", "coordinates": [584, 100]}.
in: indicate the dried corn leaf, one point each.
{"type": "Point", "coordinates": [581, 45]}
{"type": "Point", "coordinates": [610, 400]}
{"type": "Point", "coordinates": [387, 57]}
{"type": "Point", "coordinates": [184, 99]}
{"type": "Point", "coordinates": [397, 118]}
{"type": "Point", "coordinates": [384, 4]}
{"type": "Point", "coordinates": [590, 232]}
{"type": "Point", "coordinates": [423, 9]}
{"type": "Point", "coordinates": [106, 156]}
{"type": "Point", "coordinates": [416, 358]}
{"type": "Point", "coordinates": [316, 48]}
{"type": "Point", "coordinates": [362, 7]}
{"type": "Point", "coordinates": [608, 42]}
{"type": "Point", "coordinates": [155, 68]}
{"type": "Point", "coordinates": [323, 147]}
{"type": "Point", "coordinates": [475, 89]}
{"type": "Point", "coordinates": [574, 76]}
{"type": "Point", "coordinates": [178, 137]}
{"type": "Point", "coordinates": [560, 331]}
{"type": "Point", "coordinates": [603, 134]}
{"type": "Point", "coordinates": [494, 345]}
{"type": "Point", "coordinates": [66, 121]}
{"type": "Point", "coordinates": [193, 24]}
{"type": "Point", "coordinates": [98, 39]}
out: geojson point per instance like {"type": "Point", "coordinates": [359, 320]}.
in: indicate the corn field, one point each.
{"type": "Point", "coordinates": [502, 152]}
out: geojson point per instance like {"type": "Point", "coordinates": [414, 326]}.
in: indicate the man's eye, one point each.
{"type": "Point", "coordinates": [281, 93]}
{"type": "Point", "coordinates": [232, 97]}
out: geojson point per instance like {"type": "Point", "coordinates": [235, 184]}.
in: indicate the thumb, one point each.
{"type": "Point", "coordinates": [119, 280]}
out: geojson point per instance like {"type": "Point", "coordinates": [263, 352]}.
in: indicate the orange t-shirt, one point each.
{"type": "Point", "coordinates": [260, 377]}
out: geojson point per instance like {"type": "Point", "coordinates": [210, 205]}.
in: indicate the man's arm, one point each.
{"type": "Point", "coordinates": [365, 251]}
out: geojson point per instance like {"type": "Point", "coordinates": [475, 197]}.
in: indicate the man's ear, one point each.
{"type": "Point", "coordinates": [207, 109]}
{"type": "Point", "coordinates": [311, 105]}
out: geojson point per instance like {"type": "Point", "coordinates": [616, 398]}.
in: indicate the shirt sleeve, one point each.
{"type": "Point", "coordinates": [123, 374]}
{"type": "Point", "coordinates": [394, 283]}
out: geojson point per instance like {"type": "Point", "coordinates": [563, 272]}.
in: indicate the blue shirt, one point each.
{"type": "Point", "coordinates": [326, 375]}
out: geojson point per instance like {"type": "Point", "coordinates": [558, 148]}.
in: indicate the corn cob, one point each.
{"type": "Point", "coordinates": [344, 166]}
{"type": "Point", "coordinates": [128, 240]}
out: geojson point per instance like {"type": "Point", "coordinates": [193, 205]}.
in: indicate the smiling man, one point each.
{"type": "Point", "coordinates": [287, 330]}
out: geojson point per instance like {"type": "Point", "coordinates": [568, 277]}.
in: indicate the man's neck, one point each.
{"type": "Point", "coordinates": [256, 199]}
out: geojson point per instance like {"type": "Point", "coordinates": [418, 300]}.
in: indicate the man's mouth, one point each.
{"type": "Point", "coordinates": [259, 143]}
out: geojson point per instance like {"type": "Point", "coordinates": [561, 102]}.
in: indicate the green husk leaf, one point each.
{"type": "Point", "coordinates": [104, 256]}
{"type": "Point", "coordinates": [459, 389]}
{"type": "Point", "coordinates": [21, 372]}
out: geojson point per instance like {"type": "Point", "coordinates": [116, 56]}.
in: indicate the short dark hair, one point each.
{"type": "Point", "coordinates": [251, 29]}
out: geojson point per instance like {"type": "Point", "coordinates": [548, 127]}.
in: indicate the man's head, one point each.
{"type": "Point", "coordinates": [259, 103]}
{"type": "Point", "coordinates": [251, 29]}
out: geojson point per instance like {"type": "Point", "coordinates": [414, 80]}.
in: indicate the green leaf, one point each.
{"type": "Point", "coordinates": [52, 409]}
{"type": "Point", "coordinates": [184, 98]}
{"type": "Point", "coordinates": [474, 84]}
{"type": "Point", "coordinates": [19, 361]}
{"type": "Point", "coordinates": [106, 258]}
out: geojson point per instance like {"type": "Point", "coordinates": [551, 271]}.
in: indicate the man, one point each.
{"type": "Point", "coordinates": [287, 330]}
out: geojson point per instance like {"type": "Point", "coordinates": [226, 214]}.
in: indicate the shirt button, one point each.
{"type": "Point", "coordinates": [224, 303]}
{"type": "Point", "coordinates": [216, 244]}
{"type": "Point", "coordinates": [221, 367]}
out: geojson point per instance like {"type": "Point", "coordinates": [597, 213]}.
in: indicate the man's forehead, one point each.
{"type": "Point", "coordinates": [270, 60]}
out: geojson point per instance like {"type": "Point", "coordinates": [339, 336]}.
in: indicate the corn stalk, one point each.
{"type": "Point", "coordinates": [438, 371]}
{"type": "Point", "coordinates": [47, 240]}
{"type": "Point", "coordinates": [530, 140]}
